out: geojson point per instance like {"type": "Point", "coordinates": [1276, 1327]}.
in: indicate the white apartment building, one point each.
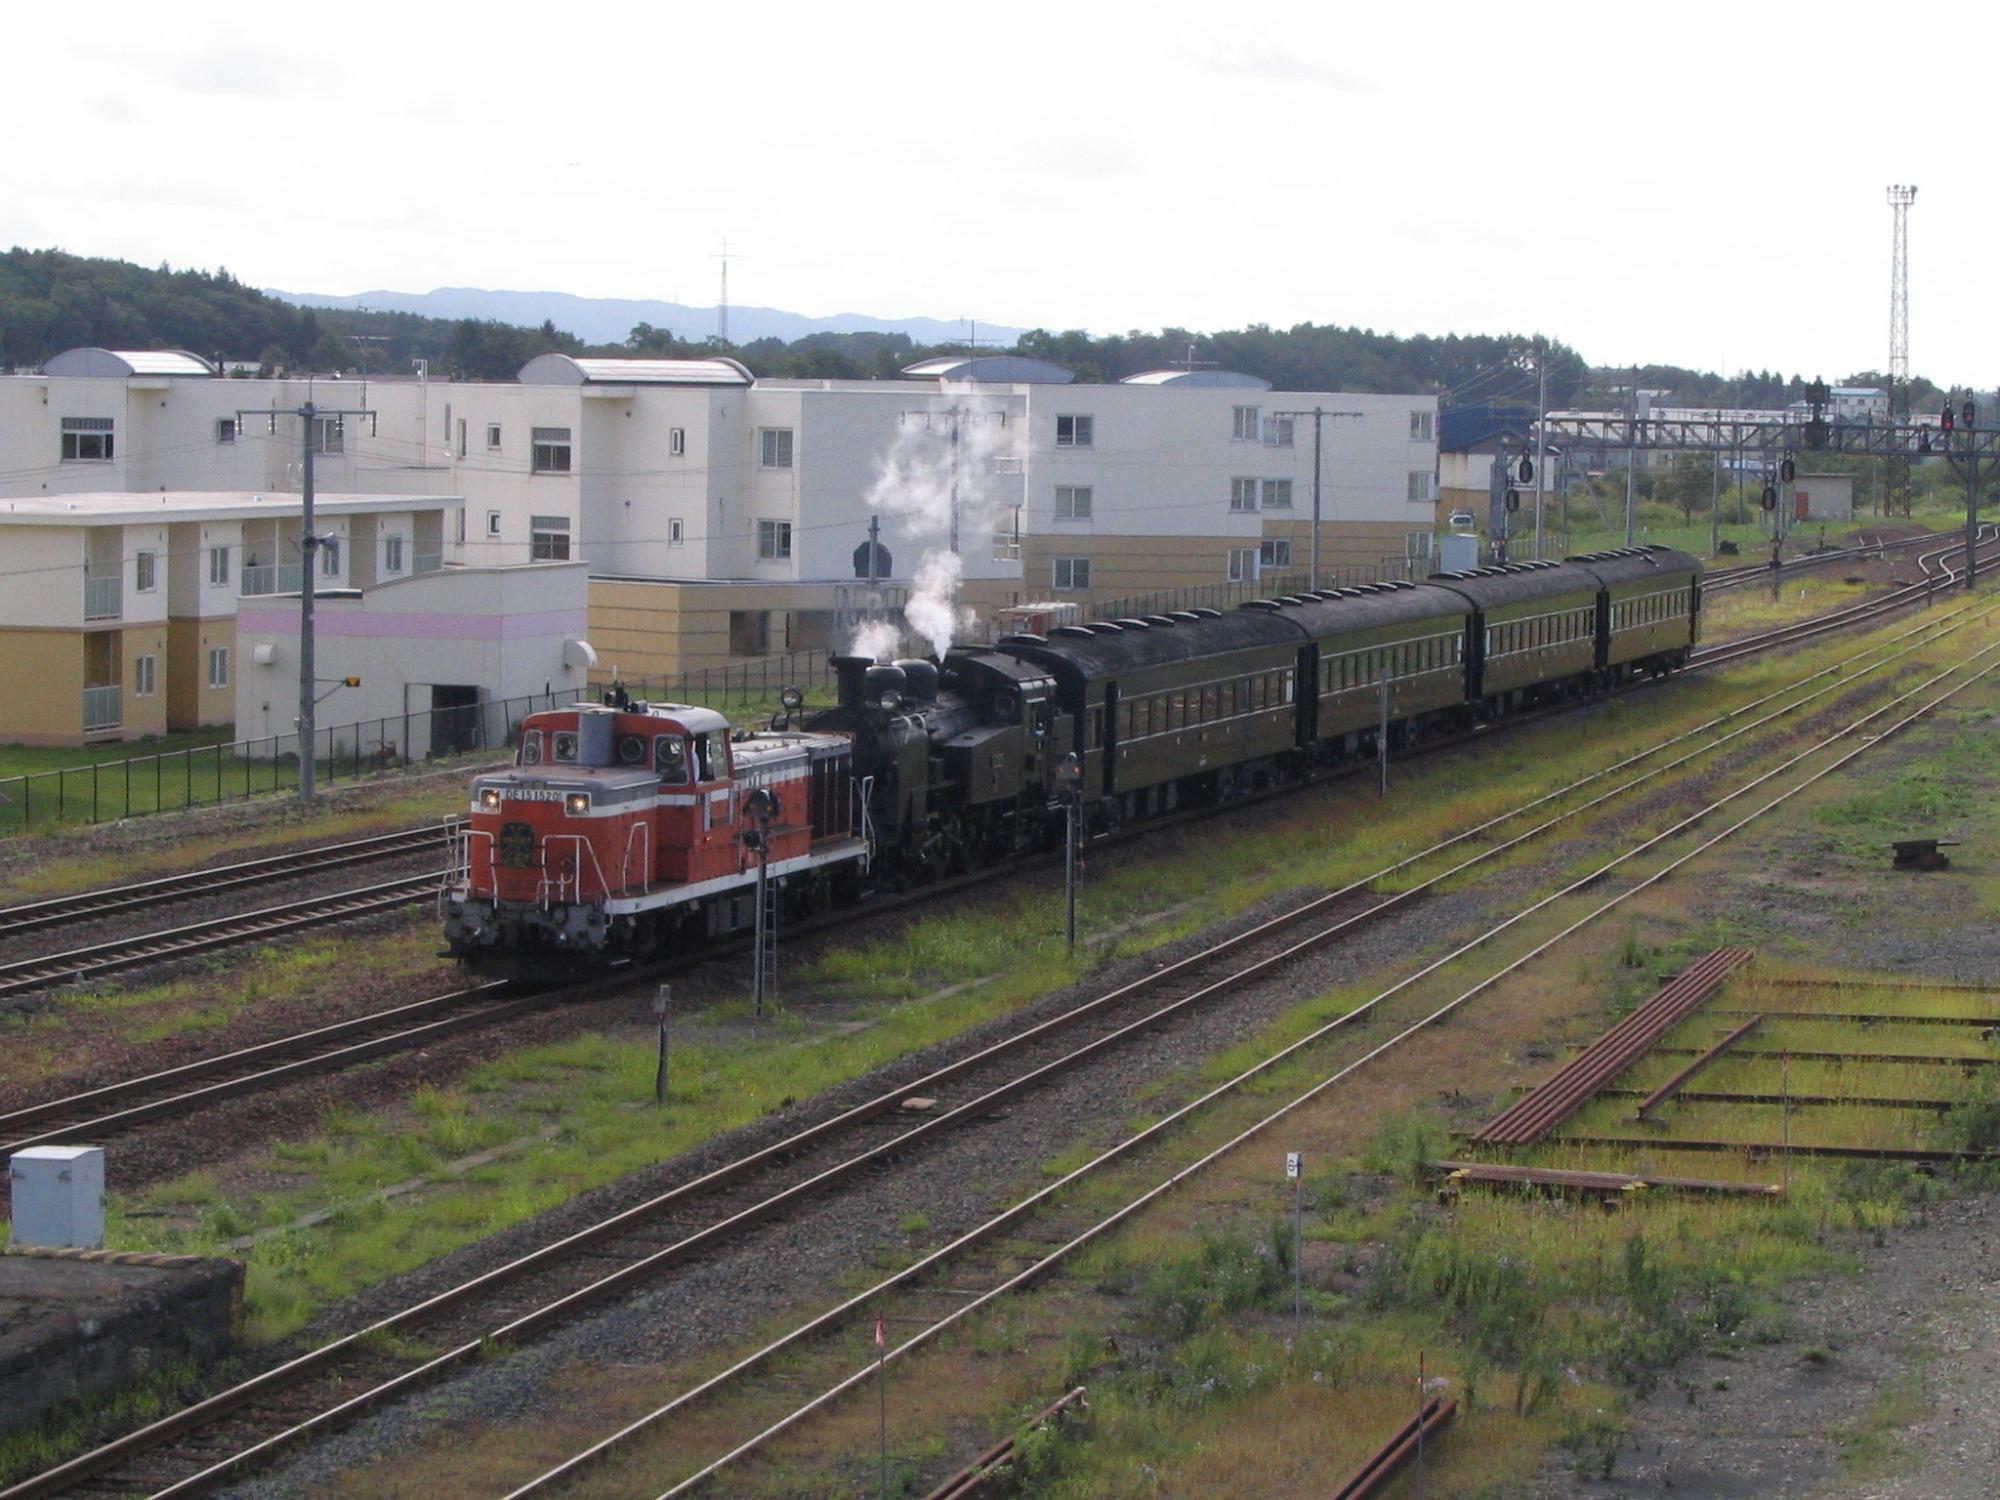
{"type": "Point", "coordinates": [721, 515]}
{"type": "Point", "coordinates": [119, 614]}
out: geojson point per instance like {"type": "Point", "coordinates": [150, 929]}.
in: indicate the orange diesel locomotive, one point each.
{"type": "Point", "coordinates": [622, 827]}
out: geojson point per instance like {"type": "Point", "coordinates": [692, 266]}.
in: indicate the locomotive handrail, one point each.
{"type": "Point", "coordinates": [643, 833]}
{"type": "Point", "coordinates": [542, 890]}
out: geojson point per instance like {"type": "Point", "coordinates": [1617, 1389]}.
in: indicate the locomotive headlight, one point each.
{"type": "Point", "coordinates": [489, 798]}
{"type": "Point", "coordinates": [576, 804]}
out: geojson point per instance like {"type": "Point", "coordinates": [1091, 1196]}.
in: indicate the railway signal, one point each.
{"type": "Point", "coordinates": [761, 806]}
{"type": "Point", "coordinates": [1069, 775]}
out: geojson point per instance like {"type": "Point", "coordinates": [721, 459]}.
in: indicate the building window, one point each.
{"type": "Point", "coordinates": [86, 440]}
{"type": "Point", "coordinates": [392, 554]}
{"type": "Point", "coordinates": [492, 435]}
{"type": "Point", "coordinates": [676, 533]}
{"type": "Point", "coordinates": [1421, 426]}
{"type": "Point", "coordinates": [1007, 536]}
{"type": "Point", "coordinates": [461, 437]}
{"type": "Point", "coordinates": [218, 566]}
{"type": "Point", "coordinates": [225, 429]}
{"type": "Point", "coordinates": [329, 434]}
{"type": "Point", "coordinates": [145, 570]}
{"type": "Point", "coordinates": [1275, 553]}
{"type": "Point", "coordinates": [1281, 432]}
{"type": "Point", "coordinates": [1074, 432]}
{"type": "Point", "coordinates": [551, 451]}
{"type": "Point", "coordinates": [145, 677]}
{"type": "Point", "coordinates": [218, 666]}
{"type": "Point", "coordinates": [329, 556]}
{"type": "Point", "coordinates": [447, 424]}
{"type": "Point", "coordinates": [1072, 502]}
{"type": "Point", "coordinates": [1242, 564]}
{"type": "Point", "coordinates": [1244, 427]}
{"type": "Point", "coordinates": [774, 540]}
{"type": "Point", "coordinates": [548, 538]}
{"type": "Point", "coordinates": [1242, 494]}
{"type": "Point", "coordinates": [493, 523]}
{"type": "Point", "coordinates": [1417, 546]}
{"type": "Point", "coordinates": [458, 525]}
{"type": "Point", "coordinates": [774, 447]}
{"type": "Point", "coordinates": [1420, 484]}
{"type": "Point", "coordinates": [1277, 494]}
{"type": "Point", "coordinates": [677, 441]}
{"type": "Point", "coordinates": [1071, 572]}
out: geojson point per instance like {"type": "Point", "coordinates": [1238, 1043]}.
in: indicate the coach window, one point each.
{"type": "Point", "coordinates": [670, 757]}
{"type": "Point", "coordinates": [531, 747]}
{"type": "Point", "coordinates": [565, 746]}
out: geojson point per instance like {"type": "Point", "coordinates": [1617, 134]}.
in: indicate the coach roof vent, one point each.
{"type": "Point", "coordinates": [1166, 620]}
{"type": "Point", "coordinates": [124, 364]}
{"type": "Point", "coordinates": [1264, 604]}
{"type": "Point", "coordinates": [1073, 632]}
{"type": "Point", "coordinates": [564, 369]}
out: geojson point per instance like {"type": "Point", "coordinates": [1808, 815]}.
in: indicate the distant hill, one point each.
{"type": "Point", "coordinates": [608, 320]}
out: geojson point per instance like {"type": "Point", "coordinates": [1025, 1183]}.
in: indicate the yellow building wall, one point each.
{"type": "Point", "coordinates": [41, 687]}
{"type": "Point", "coordinates": [143, 715]}
{"type": "Point", "coordinates": [191, 702]}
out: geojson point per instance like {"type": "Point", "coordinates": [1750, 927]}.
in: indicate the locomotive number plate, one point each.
{"type": "Point", "coordinates": [517, 846]}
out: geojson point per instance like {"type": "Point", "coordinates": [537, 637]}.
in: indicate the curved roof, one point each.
{"type": "Point", "coordinates": [1516, 583]}
{"type": "Point", "coordinates": [1334, 611]}
{"type": "Point", "coordinates": [1107, 653]}
{"type": "Point", "coordinates": [999, 369]}
{"type": "Point", "coordinates": [564, 369]}
{"type": "Point", "coordinates": [1233, 379]}
{"type": "Point", "coordinates": [122, 364]}
{"type": "Point", "coordinates": [1626, 564]}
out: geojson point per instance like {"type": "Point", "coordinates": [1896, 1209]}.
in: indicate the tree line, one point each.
{"type": "Point", "coordinates": [51, 301]}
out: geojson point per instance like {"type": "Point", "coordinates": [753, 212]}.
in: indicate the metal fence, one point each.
{"type": "Point", "coordinates": [204, 775]}
{"type": "Point", "coordinates": [755, 679]}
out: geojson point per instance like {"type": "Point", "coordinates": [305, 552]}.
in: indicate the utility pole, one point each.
{"type": "Point", "coordinates": [310, 416]}
{"type": "Point", "coordinates": [957, 416]}
{"type": "Point", "coordinates": [1319, 414]}
{"type": "Point", "coordinates": [1900, 199]}
{"type": "Point", "coordinates": [1541, 442]}
{"type": "Point", "coordinates": [1632, 458]}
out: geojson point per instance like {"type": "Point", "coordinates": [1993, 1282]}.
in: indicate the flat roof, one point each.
{"type": "Point", "coordinates": [127, 507]}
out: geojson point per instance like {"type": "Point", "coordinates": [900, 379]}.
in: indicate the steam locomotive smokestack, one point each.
{"type": "Point", "coordinates": [851, 672]}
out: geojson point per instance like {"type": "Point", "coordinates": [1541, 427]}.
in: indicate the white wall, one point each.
{"type": "Point", "coordinates": [503, 629]}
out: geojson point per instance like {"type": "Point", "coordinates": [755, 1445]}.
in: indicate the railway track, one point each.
{"type": "Point", "coordinates": [227, 1434]}
{"type": "Point", "coordinates": [79, 965]}
{"type": "Point", "coordinates": [111, 1109]}
{"type": "Point", "coordinates": [1736, 577]}
{"type": "Point", "coordinates": [104, 901]}
{"type": "Point", "coordinates": [1039, 1236]}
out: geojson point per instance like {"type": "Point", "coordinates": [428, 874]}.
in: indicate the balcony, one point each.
{"type": "Point", "coordinates": [101, 706]}
{"type": "Point", "coordinates": [103, 597]}
{"type": "Point", "coordinates": [426, 562]}
{"type": "Point", "coordinates": [273, 578]}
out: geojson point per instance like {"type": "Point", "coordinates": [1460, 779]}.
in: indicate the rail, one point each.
{"type": "Point", "coordinates": [350, 1403]}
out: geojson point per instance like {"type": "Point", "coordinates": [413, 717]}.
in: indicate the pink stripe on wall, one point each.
{"type": "Point", "coordinates": [356, 624]}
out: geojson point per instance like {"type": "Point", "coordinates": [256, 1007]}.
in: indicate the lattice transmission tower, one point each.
{"type": "Point", "coordinates": [1900, 199]}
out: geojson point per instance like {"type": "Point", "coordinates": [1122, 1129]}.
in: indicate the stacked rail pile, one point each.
{"type": "Point", "coordinates": [1576, 1083]}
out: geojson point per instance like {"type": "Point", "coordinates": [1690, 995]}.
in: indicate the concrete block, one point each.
{"type": "Point", "coordinates": [58, 1196]}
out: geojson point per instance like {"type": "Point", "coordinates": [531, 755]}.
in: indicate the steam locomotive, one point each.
{"type": "Point", "coordinates": [638, 828]}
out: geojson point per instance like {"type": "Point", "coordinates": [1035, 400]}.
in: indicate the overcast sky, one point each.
{"type": "Point", "coordinates": [1671, 182]}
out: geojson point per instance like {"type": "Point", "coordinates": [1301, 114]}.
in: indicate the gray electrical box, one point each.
{"type": "Point", "coordinates": [58, 1196]}
{"type": "Point", "coordinates": [1458, 552]}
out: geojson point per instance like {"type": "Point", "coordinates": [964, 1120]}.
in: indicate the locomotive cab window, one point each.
{"type": "Point", "coordinates": [711, 752]}
{"type": "Point", "coordinates": [631, 750]}
{"type": "Point", "coordinates": [670, 758]}
{"type": "Point", "coordinates": [564, 742]}
{"type": "Point", "coordinates": [531, 747]}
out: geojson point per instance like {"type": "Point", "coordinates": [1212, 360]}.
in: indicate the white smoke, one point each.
{"type": "Point", "coordinates": [914, 483]}
{"type": "Point", "coordinates": [876, 638]}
